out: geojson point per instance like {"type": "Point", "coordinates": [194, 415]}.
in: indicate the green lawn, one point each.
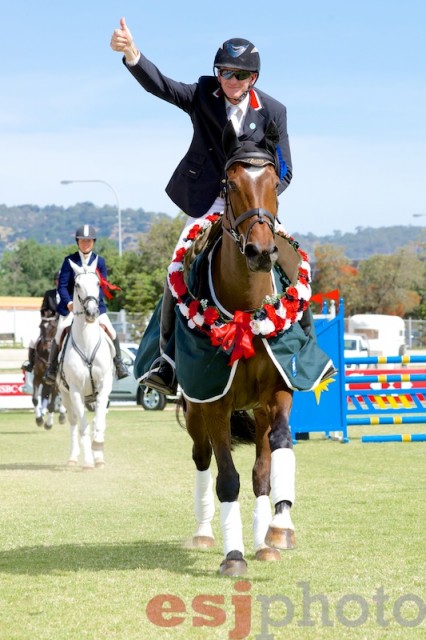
{"type": "Point", "coordinates": [89, 554]}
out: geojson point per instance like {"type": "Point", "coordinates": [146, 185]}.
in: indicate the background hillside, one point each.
{"type": "Point", "coordinates": [55, 226]}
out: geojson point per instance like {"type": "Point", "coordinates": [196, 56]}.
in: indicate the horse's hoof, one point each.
{"type": "Point", "coordinates": [280, 538]}
{"type": "Point", "coordinates": [233, 565]}
{"type": "Point", "coordinates": [48, 426]}
{"type": "Point", "coordinates": [100, 464]}
{"type": "Point", "coordinates": [72, 463]}
{"type": "Point", "coordinates": [202, 542]}
{"type": "Point", "coordinates": [62, 418]}
{"type": "Point", "coordinates": [39, 422]}
{"type": "Point", "coordinates": [88, 467]}
{"type": "Point", "coordinates": [268, 554]}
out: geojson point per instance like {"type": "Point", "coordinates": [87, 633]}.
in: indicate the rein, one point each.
{"type": "Point", "coordinates": [86, 360]}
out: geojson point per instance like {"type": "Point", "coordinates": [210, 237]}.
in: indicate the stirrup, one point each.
{"type": "Point", "coordinates": [155, 381]}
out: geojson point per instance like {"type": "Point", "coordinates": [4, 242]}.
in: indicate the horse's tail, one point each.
{"type": "Point", "coordinates": [181, 409]}
{"type": "Point", "coordinates": [243, 426]}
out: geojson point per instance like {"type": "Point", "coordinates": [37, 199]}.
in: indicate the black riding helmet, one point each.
{"type": "Point", "coordinates": [238, 53]}
{"type": "Point", "coordinates": [85, 232]}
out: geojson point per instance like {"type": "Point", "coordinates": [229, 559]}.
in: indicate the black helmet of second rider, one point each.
{"type": "Point", "coordinates": [238, 53]}
{"type": "Point", "coordinates": [85, 232]}
{"type": "Point", "coordinates": [85, 237]}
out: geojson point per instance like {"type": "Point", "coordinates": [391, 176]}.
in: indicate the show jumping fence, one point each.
{"type": "Point", "coordinates": [387, 396]}
{"type": "Point", "coordinates": [393, 395]}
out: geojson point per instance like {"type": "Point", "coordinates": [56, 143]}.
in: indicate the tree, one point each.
{"type": "Point", "coordinates": [29, 269]}
{"type": "Point", "coordinates": [334, 271]}
{"type": "Point", "coordinates": [390, 284]}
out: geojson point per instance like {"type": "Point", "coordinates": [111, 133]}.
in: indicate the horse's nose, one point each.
{"type": "Point", "coordinates": [260, 259]}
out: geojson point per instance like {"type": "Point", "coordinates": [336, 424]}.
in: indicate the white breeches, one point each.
{"type": "Point", "coordinates": [217, 207]}
{"type": "Point", "coordinates": [65, 321]}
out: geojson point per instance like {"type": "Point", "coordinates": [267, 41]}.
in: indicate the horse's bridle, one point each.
{"type": "Point", "coordinates": [86, 301]}
{"type": "Point", "coordinates": [262, 215]}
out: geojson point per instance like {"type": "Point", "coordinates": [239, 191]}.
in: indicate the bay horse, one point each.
{"type": "Point", "coordinates": [45, 398]}
{"type": "Point", "coordinates": [86, 370]}
{"type": "Point", "coordinates": [240, 279]}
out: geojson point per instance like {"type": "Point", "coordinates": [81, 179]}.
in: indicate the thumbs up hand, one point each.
{"type": "Point", "coordinates": [122, 40]}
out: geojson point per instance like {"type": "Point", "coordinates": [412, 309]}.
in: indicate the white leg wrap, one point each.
{"type": "Point", "coordinates": [283, 470]}
{"type": "Point", "coordinates": [232, 527]}
{"type": "Point", "coordinates": [204, 502]}
{"type": "Point", "coordinates": [262, 516]}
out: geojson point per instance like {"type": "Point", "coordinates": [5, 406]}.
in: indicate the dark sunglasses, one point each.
{"type": "Point", "coordinates": [230, 73]}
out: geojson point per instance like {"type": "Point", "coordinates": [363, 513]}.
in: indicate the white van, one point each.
{"type": "Point", "coordinates": [385, 334]}
{"type": "Point", "coordinates": [355, 347]}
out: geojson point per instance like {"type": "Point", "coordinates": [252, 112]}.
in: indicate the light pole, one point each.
{"type": "Point", "coordinates": [120, 249]}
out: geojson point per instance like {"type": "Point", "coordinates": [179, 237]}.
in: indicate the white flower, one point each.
{"type": "Point", "coordinates": [281, 311]}
{"type": "Point", "coordinates": [198, 319]}
{"type": "Point", "coordinates": [255, 326]}
{"type": "Point", "coordinates": [304, 291]}
{"type": "Point", "coordinates": [262, 327]}
{"type": "Point", "coordinates": [267, 327]}
{"type": "Point", "coordinates": [183, 309]}
{"type": "Point", "coordinates": [175, 266]}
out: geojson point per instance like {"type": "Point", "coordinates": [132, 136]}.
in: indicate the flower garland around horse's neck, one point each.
{"type": "Point", "coordinates": [235, 336]}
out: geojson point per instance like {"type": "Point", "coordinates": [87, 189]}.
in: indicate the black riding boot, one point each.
{"type": "Point", "coordinates": [52, 367]}
{"type": "Point", "coordinates": [162, 376]}
{"type": "Point", "coordinates": [29, 364]}
{"type": "Point", "coordinates": [120, 367]}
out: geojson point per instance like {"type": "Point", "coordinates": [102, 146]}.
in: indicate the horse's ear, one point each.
{"type": "Point", "coordinates": [230, 142]}
{"type": "Point", "coordinates": [272, 137]}
{"type": "Point", "coordinates": [77, 270]}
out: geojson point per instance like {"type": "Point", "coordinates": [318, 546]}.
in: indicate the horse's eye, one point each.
{"type": "Point", "coordinates": [232, 186]}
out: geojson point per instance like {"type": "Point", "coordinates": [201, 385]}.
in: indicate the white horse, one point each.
{"type": "Point", "coordinates": [86, 371]}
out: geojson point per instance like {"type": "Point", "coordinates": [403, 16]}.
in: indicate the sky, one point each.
{"type": "Point", "coordinates": [351, 74]}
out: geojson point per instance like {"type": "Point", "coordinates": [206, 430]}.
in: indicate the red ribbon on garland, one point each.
{"type": "Point", "coordinates": [235, 336]}
{"type": "Point", "coordinates": [106, 286]}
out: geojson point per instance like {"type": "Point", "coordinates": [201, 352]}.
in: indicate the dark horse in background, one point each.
{"type": "Point", "coordinates": [45, 398]}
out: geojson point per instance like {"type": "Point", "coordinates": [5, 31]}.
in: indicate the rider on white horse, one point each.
{"type": "Point", "coordinates": [85, 237]}
{"type": "Point", "coordinates": [47, 309]}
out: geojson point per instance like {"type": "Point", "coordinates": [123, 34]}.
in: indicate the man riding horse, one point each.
{"type": "Point", "coordinates": [196, 186]}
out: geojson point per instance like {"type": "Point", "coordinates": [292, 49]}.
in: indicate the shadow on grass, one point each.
{"type": "Point", "coordinates": [126, 556]}
{"type": "Point", "coordinates": [29, 466]}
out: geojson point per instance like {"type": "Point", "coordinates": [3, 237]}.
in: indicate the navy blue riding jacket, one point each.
{"type": "Point", "coordinates": [196, 182]}
{"type": "Point", "coordinates": [66, 282]}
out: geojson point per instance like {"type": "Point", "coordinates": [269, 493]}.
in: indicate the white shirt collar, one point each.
{"type": "Point", "coordinates": [243, 105]}
{"type": "Point", "coordinates": [84, 258]}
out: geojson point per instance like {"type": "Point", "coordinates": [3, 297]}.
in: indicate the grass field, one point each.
{"type": "Point", "coordinates": [89, 554]}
